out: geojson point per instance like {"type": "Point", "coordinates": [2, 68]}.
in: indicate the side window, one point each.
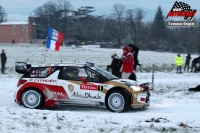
{"type": "Point", "coordinates": [82, 72]}
{"type": "Point", "coordinates": [70, 73]}
{"type": "Point", "coordinates": [74, 73]}
{"type": "Point", "coordinates": [92, 76]}
{"type": "Point", "coordinates": [41, 72]}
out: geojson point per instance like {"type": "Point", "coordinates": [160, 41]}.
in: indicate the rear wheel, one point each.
{"type": "Point", "coordinates": [31, 99]}
{"type": "Point", "coordinates": [117, 101]}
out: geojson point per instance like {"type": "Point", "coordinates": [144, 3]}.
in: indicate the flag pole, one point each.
{"type": "Point", "coordinates": [61, 53]}
{"type": "Point", "coordinates": [45, 53]}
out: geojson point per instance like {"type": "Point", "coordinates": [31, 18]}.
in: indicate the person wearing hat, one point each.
{"type": "Point", "coordinates": [115, 65]}
{"type": "Point", "coordinates": [134, 51]}
{"type": "Point", "coordinates": [3, 61]}
{"type": "Point", "coordinates": [127, 63]}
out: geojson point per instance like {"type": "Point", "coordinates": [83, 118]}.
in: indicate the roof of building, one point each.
{"type": "Point", "coordinates": [15, 23]}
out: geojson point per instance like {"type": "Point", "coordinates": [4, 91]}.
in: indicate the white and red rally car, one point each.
{"type": "Point", "coordinates": [79, 84]}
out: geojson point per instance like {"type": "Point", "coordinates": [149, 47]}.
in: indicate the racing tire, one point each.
{"type": "Point", "coordinates": [117, 101]}
{"type": "Point", "coordinates": [31, 99]}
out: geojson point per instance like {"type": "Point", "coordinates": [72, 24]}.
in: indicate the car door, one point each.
{"type": "Point", "coordinates": [91, 90]}
{"type": "Point", "coordinates": [75, 88]}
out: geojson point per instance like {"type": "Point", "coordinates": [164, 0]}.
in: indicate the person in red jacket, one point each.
{"type": "Point", "coordinates": [127, 63]}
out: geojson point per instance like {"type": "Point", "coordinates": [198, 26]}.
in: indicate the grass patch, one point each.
{"type": "Point", "coordinates": [58, 127]}
{"type": "Point", "coordinates": [101, 130]}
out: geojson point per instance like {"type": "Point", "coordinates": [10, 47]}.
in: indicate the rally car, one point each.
{"type": "Point", "coordinates": [58, 84]}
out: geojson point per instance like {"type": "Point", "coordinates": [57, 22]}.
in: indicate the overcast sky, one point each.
{"type": "Point", "coordinates": [21, 9]}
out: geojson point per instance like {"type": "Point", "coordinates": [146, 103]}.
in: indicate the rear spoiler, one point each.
{"type": "Point", "coordinates": [22, 67]}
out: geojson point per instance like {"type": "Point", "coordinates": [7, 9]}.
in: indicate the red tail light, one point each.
{"type": "Point", "coordinates": [21, 81]}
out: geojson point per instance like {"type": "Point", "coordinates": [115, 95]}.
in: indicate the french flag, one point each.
{"type": "Point", "coordinates": [54, 38]}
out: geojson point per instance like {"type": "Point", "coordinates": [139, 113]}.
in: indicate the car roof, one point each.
{"type": "Point", "coordinates": [60, 64]}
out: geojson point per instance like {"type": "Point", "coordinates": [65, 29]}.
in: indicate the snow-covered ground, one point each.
{"type": "Point", "coordinates": [173, 108]}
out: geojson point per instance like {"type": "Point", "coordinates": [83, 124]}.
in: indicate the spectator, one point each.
{"type": "Point", "coordinates": [134, 51]}
{"type": "Point", "coordinates": [3, 61]}
{"type": "Point", "coordinates": [44, 42]}
{"type": "Point", "coordinates": [83, 43]}
{"type": "Point", "coordinates": [179, 63]}
{"type": "Point", "coordinates": [127, 63]}
{"type": "Point", "coordinates": [194, 62]}
{"type": "Point", "coordinates": [115, 65]}
{"type": "Point", "coordinates": [197, 88]}
{"type": "Point", "coordinates": [187, 62]}
{"type": "Point", "coordinates": [133, 76]}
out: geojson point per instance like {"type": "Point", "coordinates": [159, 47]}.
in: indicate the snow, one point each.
{"type": "Point", "coordinates": [173, 108]}
{"type": "Point", "coordinates": [14, 23]}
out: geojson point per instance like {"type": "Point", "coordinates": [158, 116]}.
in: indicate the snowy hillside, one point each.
{"type": "Point", "coordinates": [173, 108]}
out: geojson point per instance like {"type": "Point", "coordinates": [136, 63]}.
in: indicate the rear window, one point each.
{"type": "Point", "coordinates": [40, 72]}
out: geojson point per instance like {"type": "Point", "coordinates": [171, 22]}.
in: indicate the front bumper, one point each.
{"type": "Point", "coordinates": [140, 99]}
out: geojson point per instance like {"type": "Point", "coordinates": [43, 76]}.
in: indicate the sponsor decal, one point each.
{"type": "Point", "coordinates": [86, 95]}
{"type": "Point", "coordinates": [30, 79]}
{"type": "Point", "coordinates": [100, 88]}
{"type": "Point", "coordinates": [88, 87]}
{"type": "Point", "coordinates": [40, 73]}
{"type": "Point", "coordinates": [181, 9]}
{"type": "Point", "coordinates": [44, 80]}
{"type": "Point", "coordinates": [33, 74]}
{"type": "Point", "coordinates": [70, 87]}
{"type": "Point", "coordinates": [51, 94]}
{"type": "Point", "coordinates": [105, 86]}
{"type": "Point", "coordinates": [91, 87]}
{"type": "Point", "coordinates": [57, 93]}
{"type": "Point", "coordinates": [141, 94]}
{"type": "Point", "coordinates": [47, 93]}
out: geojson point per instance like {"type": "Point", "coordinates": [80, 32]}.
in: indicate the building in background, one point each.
{"type": "Point", "coordinates": [18, 31]}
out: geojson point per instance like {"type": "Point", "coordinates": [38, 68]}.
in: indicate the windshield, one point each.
{"type": "Point", "coordinates": [104, 73]}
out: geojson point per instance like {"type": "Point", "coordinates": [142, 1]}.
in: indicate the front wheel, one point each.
{"type": "Point", "coordinates": [117, 101]}
{"type": "Point", "coordinates": [31, 99]}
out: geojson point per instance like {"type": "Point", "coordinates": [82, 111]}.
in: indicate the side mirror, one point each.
{"type": "Point", "coordinates": [21, 67]}
{"type": "Point", "coordinates": [83, 79]}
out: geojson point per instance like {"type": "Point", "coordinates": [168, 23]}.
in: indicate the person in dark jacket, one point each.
{"type": "Point", "coordinates": [194, 62]}
{"type": "Point", "coordinates": [3, 61]}
{"type": "Point", "coordinates": [187, 62]}
{"type": "Point", "coordinates": [115, 65]}
{"type": "Point", "coordinates": [197, 88]}
{"type": "Point", "coordinates": [134, 51]}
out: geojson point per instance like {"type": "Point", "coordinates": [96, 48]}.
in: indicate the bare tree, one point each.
{"type": "Point", "coordinates": [110, 28]}
{"type": "Point", "coordinates": [134, 22]}
{"type": "Point", "coordinates": [118, 16]}
{"type": "Point", "coordinates": [53, 13]}
{"type": "Point", "coordinates": [85, 23]}
{"type": "Point", "coordinates": [3, 14]}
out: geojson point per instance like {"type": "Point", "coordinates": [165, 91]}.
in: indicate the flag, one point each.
{"type": "Point", "coordinates": [33, 74]}
{"type": "Point", "coordinates": [54, 38]}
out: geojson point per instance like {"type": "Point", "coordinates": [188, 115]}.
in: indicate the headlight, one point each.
{"type": "Point", "coordinates": [136, 88]}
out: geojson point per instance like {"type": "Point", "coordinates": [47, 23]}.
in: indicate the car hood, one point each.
{"type": "Point", "coordinates": [127, 82]}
